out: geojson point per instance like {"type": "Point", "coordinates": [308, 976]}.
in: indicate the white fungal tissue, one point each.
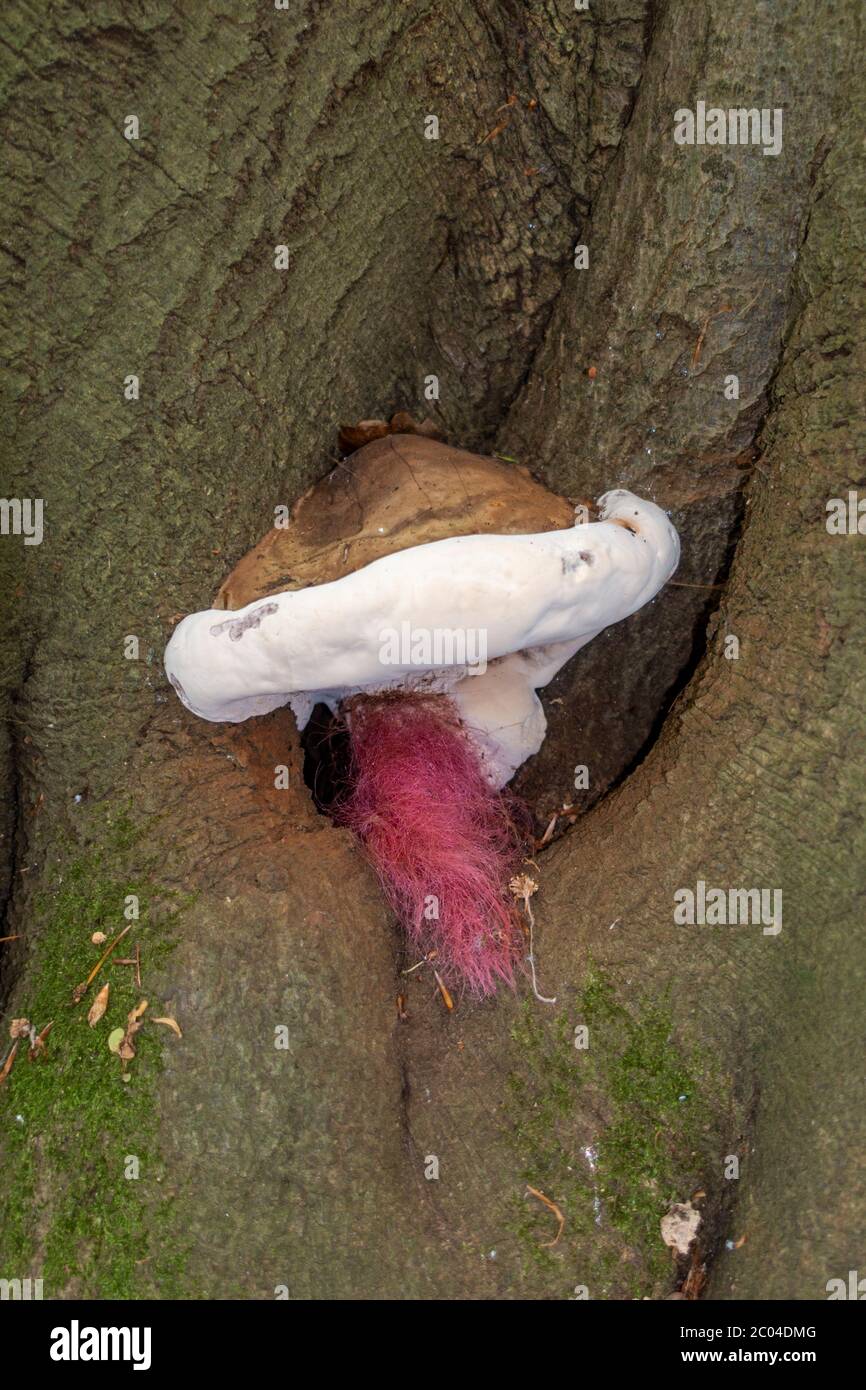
{"type": "Point", "coordinates": [487, 619]}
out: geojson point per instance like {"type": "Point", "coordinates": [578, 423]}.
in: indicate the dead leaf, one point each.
{"type": "Point", "coordinates": [38, 1049]}
{"type": "Point", "coordinates": [19, 1028]}
{"type": "Point", "coordinates": [7, 1065]}
{"type": "Point", "coordinates": [135, 1014]}
{"type": "Point", "coordinates": [170, 1023]}
{"type": "Point", "coordinates": [695, 1279]}
{"type": "Point", "coordinates": [354, 437]}
{"type": "Point", "coordinates": [98, 1007]}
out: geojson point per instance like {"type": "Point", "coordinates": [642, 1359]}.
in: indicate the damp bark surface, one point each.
{"type": "Point", "coordinates": [295, 1123]}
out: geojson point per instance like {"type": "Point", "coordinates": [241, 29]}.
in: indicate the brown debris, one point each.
{"type": "Point", "coordinates": [443, 990]}
{"type": "Point", "coordinates": [80, 990]}
{"type": "Point", "coordinates": [126, 1050]}
{"type": "Point", "coordinates": [38, 1048]}
{"type": "Point", "coordinates": [497, 130]}
{"type": "Point", "coordinates": [551, 1206]}
{"type": "Point", "coordinates": [353, 437]}
{"type": "Point", "coordinates": [171, 1023]}
{"type": "Point", "coordinates": [99, 1005]}
{"type": "Point", "coordinates": [10, 1059]}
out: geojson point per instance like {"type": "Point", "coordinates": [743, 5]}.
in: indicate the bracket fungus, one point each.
{"type": "Point", "coordinates": [425, 594]}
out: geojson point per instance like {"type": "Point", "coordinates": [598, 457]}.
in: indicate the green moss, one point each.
{"type": "Point", "coordinates": [68, 1213]}
{"type": "Point", "coordinates": [646, 1138]}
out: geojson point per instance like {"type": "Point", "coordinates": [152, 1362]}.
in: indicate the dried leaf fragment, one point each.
{"type": "Point", "coordinates": [354, 437]}
{"type": "Point", "coordinates": [38, 1048]}
{"type": "Point", "coordinates": [7, 1065]}
{"type": "Point", "coordinates": [170, 1023]}
{"type": "Point", "coordinates": [98, 1007]}
{"type": "Point", "coordinates": [19, 1028]}
{"type": "Point", "coordinates": [135, 1014]}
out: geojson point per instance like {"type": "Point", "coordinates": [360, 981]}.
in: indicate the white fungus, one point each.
{"type": "Point", "coordinates": [525, 603]}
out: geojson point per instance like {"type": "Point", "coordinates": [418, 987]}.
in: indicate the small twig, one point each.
{"type": "Point", "coordinates": [725, 309]}
{"type": "Point", "coordinates": [683, 584]}
{"type": "Point", "coordinates": [431, 955]}
{"type": "Point", "coordinates": [443, 990]}
{"type": "Point", "coordinates": [17, 937]}
{"type": "Point", "coordinates": [549, 831]}
{"type": "Point", "coordinates": [696, 356]}
{"type": "Point", "coordinates": [497, 130]}
{"type": "Point", "coordinates": [551, 1206]}
{"type": "Point", "coordinates": [566, 812]}
{"type": "Point", "coordinates": [80, 990]}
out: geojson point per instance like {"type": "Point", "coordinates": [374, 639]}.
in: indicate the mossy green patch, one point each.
{"type": "Point", "coordinates": [74, 1132]}
{"type": "Point", "coordinates": [613, 1132]}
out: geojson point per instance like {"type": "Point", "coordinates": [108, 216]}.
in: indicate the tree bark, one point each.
{"type": "Point", "coordinates": [311, 1166]}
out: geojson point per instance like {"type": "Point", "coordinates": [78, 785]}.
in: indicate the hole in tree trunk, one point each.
{"type": "Point", "coordinates": [325, 742]}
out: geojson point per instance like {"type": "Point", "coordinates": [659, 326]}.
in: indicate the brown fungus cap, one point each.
{"type": "Point", "coordinates": [397, 492]}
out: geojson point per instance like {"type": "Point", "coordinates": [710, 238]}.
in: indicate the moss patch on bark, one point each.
{"type": "Point", "coordinates": [652, 1141]}
{"type": "Point", "coordinates": [73, 1129]}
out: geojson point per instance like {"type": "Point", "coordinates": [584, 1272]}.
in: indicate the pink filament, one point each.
{"type": "Point", "coordinates": [439, 836]}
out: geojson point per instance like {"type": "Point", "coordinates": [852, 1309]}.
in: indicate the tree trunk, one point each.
{"type": "Point", "coordinates": [302, 1134]}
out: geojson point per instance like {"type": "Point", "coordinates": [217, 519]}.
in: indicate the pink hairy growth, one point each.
{"type": "Point", "coordinates": [435, 828]}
